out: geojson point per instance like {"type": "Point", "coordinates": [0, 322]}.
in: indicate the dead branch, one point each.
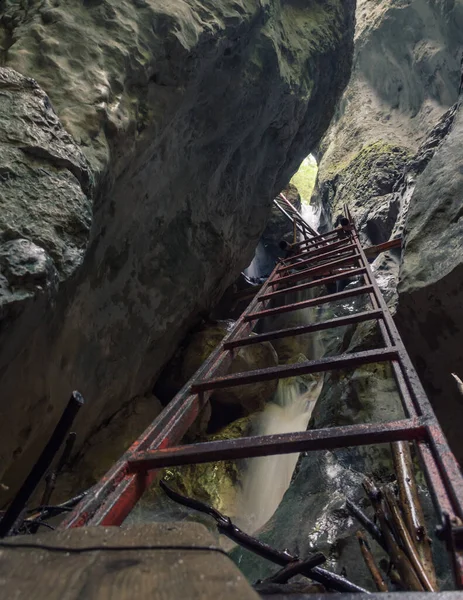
{"type": "Point", "coordinates": [407, 574]}
{"type": "Point", "coordinates": [407, 541]}
{"type": "Point", "coordinates": [371, 563]}
{"type": "Point", "coordinates": [411, 506]}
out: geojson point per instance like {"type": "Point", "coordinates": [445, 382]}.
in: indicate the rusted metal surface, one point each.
{"type": "Point", "coordinates": [278, 310]}
{"type": "Point", "coordinates": [318, 239]}
{"type": "Point", "coordinates": [319, 281]}
{"type": "Point", "coordinates": [285, 443]}
{"type": "Point", "coordinates": [344, 361]}
{"type": "Point", "coordinates": [117, 492]}
{"type": "Point", "coordinates": [115, 495]}
{"type": "Point", "coordinates": [316, 255]}
{"type": "Point", "coordinates": [368, 315]}
{"type": "Point", "coordinates": [317, 251]}
{"type": "Point", "coordinates": [328, 267]}
{"type": "Point", "coordinates": [373, 251]}
{"type": "Point", "coordinates": [285, 206]}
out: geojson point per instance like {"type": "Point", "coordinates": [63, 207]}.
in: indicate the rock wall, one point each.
{"type": "Point", "coordinates": [430, 303]}
{"type": "Point", "coordinates": [405, 76]}
{"type": "Point", "coordinates": [383, 156]}
{"type": "Point", "coordinates": [136, 175]}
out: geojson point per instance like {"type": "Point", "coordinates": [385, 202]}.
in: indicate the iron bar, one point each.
{"type": "Point", "coordinates": [320, 270]}
{"type": "Point", "coordinates": [115, 495]}
{"type": "Point", "coordinates": [344, 361]}
{"type": "Point", "coordinates": [311, 230]}
{"type": "Point", "coordinates": [323, 256]}
{"type": "Point", "coordinates": [51, 477]}
{"type": "Point", "coordinates": [369, 315]}
{"type": "Point", "coordinates": [285, 443]}
{"type": "Point", "coordinates": [411, 505]}
{"type": "Point", "coordinates": [317, 251]}
{"type": "Point", "coordinates": [317, 239]}
{"type": "Point", "coordinates": [407, 542]}
{"type": "Point", "coordinates": [316, 254]}
{"type": "Point", "coordinates": [445, 461]}
{"type": "Point", "coordinates": [311, 284]}
{"type": "Point", "coordinates": [399, 558]}
{"type": "Point", "coordinates": [294, 217]}
{"type": "Point", "coordinates": [43, 463]}
{"type": "Point", "coordinates": [360, 291]}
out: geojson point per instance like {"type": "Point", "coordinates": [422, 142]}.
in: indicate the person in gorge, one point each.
{"type": "Point", "coordinates": [289, 249]}
{"type": "Point", "coordinates": [344, 228]}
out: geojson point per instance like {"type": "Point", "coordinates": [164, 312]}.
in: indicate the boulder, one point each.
{"type": "Point", "coordinates": [250, 398]}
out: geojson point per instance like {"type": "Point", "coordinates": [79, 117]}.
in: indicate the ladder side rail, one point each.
{"type": "Point", "coordinates": [174, 418]}
{"type": "Point", "coordinates": [445, 480]}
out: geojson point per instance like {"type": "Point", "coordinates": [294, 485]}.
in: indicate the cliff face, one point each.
{"type": "Point", "coordinates": [136, 178]}
{"type": "Point", "coordinates": [384, 156]}
{"type": "Point", "coordinates": [429, 311]}
{"type": "Point", "coordinates": [394, 155]}
{"type": "Point", "coordinates": [405, 76]}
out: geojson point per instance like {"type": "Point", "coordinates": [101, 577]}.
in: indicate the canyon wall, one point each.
{"type": "Point", "coordinates": [383, 156]}
{"type": "Point", "coordinates": [141, 146]}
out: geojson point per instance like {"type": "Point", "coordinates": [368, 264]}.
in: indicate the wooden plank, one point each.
{"type": "Point", "coordinates": [153, 561]}
{"type": "Point", "coordinates": [375, 250]}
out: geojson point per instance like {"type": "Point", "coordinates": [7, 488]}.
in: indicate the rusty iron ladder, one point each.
{"type": "Point", "coordinates": [322, 259]}
{"type": "Point", "coordinates": [300, 224]}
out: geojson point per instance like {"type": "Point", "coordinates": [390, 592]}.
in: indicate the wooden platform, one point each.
{"type": "Point", "coordinates": [165, 561]}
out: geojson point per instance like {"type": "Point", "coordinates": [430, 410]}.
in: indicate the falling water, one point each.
{"type": "Point", "coordinates": [266, 479]}
{"type": "Point", "coordinates": [311, 214]}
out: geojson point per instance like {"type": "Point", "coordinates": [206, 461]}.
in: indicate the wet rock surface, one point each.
{"type": "Point", "coordinates": [430, 303]}
{"type": "Point", "coordinates": [188, 119]}
{"type": "Point", "coordinates": [399, 114]}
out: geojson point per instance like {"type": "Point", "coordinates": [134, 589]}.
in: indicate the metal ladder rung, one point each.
{"type": "Point", "coordinates": [317, 251]}
{"type": "Point", "coordinates": [329, 266]}
{"type": "Point", "coordinates": [303, 329]}
{"type": "Point", "coordinates": [322, 256]}
{"type": "Point", "coordinates": [285, 443]}
{"type": "Point", "coordinates": [344, 361]}
{"type": "Point", "coordinates": [365, 289]}
{"type": "Point", "coordinates": [311, 284]}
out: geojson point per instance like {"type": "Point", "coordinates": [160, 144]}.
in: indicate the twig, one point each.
{"type": "Point", "coordinates": [17, 506]}
{"type": "Point", "coordinates": [47, 512]}
{"type": "Point", "coordinates": [371, 564]}
{"type": "Point", "coordinates": [295, 568]}
{"type": "Point", "coordinates": [406, 539]}
{"type": "Point", "coordinates": [399, 558]}
{"type": "Point", "coordinates": [411, 506]}
{"type": "Point", "coordinates": [367, 523]}
{"type": "Point", "coordinates": [225, 526]}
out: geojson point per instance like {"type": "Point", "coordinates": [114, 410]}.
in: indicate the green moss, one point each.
{"type": "Point", "coordinates": [213, 483]}
{"type": "Point", "coordinates": [364, 159]}
{"type": "Point", "coordinates": [305, 178]}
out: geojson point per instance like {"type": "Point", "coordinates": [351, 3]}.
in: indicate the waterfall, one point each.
{"type": "Point", "coordinates": [264, 480]}
{"type": "Point", "coordinates": [311, 214]}
{"type": "Point", "coordinates": [267, 478]}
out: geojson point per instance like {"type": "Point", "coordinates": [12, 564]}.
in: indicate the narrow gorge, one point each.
{"type": "Point", "coordinates": [142, 145]}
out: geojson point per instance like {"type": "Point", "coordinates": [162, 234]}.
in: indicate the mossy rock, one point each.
{"type": "Point", "coordinates": [214, 483]}
{"type": "Point", "coordinates": [258, 356]}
